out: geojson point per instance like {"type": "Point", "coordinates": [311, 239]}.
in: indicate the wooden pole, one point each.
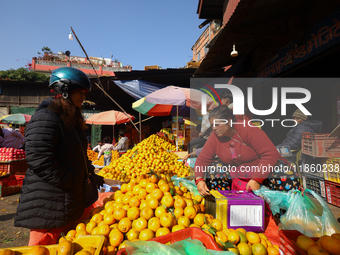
{"type": "Point", "coordinates": [140, 127]}
{"type": "Point", "coordinates": [177, 131]}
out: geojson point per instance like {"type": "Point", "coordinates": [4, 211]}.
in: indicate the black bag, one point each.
{"type": "Point", "coordinates": [91, 192]}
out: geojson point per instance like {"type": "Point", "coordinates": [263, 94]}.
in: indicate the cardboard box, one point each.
{"type": "Point", "coordinates": [180, 154]}
{"type": "Point", "coordinates": [237, 209]}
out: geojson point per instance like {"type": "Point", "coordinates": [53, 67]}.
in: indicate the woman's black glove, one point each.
{"type": "Point", "coordinates": [99, 181]}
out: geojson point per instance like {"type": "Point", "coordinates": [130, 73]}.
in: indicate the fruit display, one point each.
{"type": "Point", "coordinates": [85, 245]}
{"type": "Point", "coordinates": [325, 245]}
{"type": "Point", "coordinates": [151, 206]}
{"type": "Point", "coordinates": [92, 155]}
{"type": "Point", "coordinates": [10, 154]}
{"type": "Point", "coordinates": [152, 154]}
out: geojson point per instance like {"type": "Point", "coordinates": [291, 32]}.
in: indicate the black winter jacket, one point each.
{"type": "Point", "coordinates": [54, 185]}
{"type": "Point", "coordinates": [293, 138]}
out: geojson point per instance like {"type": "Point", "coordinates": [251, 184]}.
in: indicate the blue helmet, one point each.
{"type": "Point", "coordinates": [65, 79]}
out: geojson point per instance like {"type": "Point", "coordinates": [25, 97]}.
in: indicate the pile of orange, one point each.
{"type": "Point", "coordinates": [325, 245]}
{"type": "Point", "coordinates": [152, 154]}
{"type": "Point", "coordinates": [92, 155]}
{"type": "Point", "coordinates": [149, 207]}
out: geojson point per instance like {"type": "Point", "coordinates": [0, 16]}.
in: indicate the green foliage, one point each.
{"type": "Point", "coordinates": [23, 74]}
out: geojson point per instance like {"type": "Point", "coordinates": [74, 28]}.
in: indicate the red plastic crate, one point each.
{"type": "Point", "coordinates": [333, 193]}
{"type": "Point", "coordinates": [320, 145]}
{"type": "Point", "coordinates": [287, 242]}
{"type": "Point", "coordinates": [194, 233]}
{"type": "Point", "coordinates": [11, 184]}
{"type": "Point", "coordinates": [14, 167]}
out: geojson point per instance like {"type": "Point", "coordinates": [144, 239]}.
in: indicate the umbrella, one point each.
{"type": "Point", "coordinates": [162, 101]}
{"type": "Point", "coordinates": [173, 95]}
{"type": "Point", "coordinates": [18, 118]}
{"type": "Point", "coordinates": [159, 109]}
{"type": "Point", "coordinates": [109, 118]}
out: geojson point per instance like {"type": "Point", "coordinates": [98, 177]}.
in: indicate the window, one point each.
{"type": "Point", "coordinates": [206, 49]}
{"type": "Point", "coordinates": [198, 56]}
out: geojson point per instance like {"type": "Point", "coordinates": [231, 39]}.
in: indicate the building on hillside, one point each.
{"type": "Point", "coordinates": [200, 49]}
{"type": "Point", "coordinates": [103, 66]}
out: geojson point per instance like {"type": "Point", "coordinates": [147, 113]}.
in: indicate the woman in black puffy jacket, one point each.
{"type": "Point", "coordinates": [52, 195]}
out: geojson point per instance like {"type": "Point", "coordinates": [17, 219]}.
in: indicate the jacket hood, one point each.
{"type": "Point", "coordinates": [45, 103]}
{"type": "Point", "coordinates": [316, 125]}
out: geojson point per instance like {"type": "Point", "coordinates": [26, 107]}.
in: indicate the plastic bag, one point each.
{"type": "Point", "coordinates": [309, 217]}
{"type": "Point", "coordinates": [276, 199]}
{"type": "Point", "coordinates": [190, 185]}
{"type": "Point", "coordinates": [187, 246]}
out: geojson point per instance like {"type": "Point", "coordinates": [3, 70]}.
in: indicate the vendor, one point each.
{"type": "Point", "coordinates": [123, 143]}
{"type": "Point", "coordinates": [99, 146]}
{"type": "Point", "coordinates": [55, 190]}
{"type": "Point", "coordinates": [106, 150]}
{"type": "Point", "coordinates": [238, 147]}
{"type": "Point", "coordinates": [10, 138]}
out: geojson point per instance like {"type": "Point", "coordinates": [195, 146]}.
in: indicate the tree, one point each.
{"type": "Point", "coordinates": [23, 74]}
{"type": "Point", "coordinates": [45, 50]}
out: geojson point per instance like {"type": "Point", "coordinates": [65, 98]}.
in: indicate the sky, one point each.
{"type": "Point", "coordinates": [137, 33]}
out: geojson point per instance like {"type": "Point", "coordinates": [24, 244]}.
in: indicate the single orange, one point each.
{"type": "Point", "coordinates": [157, 193]}
{"type": "Point", "coordinates": [178, 212]}
{"type": "Point", "coordinates": [153, 203]}
{"type": "Point", "coordinates": [119, 213]}
{"type": "Point", "coordinates": [154, 224]}
{"type": "Point", "coordinates": [146, 234]}
{"type": "Point", "coordinates": [109, 219]}
{"type": "Point", "coordinates": [166, 220]}
{"type": "Point", "coordinates": [184, 221]}
{"type": "Point", "coordinates": [146, 213]}
{"type": "Point", "coordinates": [162, 231]}
{"type": "Point", "coordinates": [190, 212]}
{"type": "Point", "coordinates": [141, 223]}
{"type": "Point", "coordinates": [199, 219]}
{"type": "Point", "coordinates": [159, 211]}
{"type": "Point", "coordinates": [133, 213]}
{"type": "Point", "coordinates": [168, 201]}
{"type": "Point", "coordinates": [116, 237]}
{"type": "Point", "coordinates": [134, 201]}
{"type": "Point", "coordinates": [180, 202]}
{"type": "Point", "coordinates": [124, 225]}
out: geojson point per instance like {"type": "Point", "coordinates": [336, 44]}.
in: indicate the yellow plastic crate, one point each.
{"type": "Point", "coordinates": [79, 244]}
{"type": "Point", "coordinates": [329, 174]}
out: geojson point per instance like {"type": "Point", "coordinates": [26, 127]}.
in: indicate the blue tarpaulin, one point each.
{"type": "Point", "coordinates": [138, 88]}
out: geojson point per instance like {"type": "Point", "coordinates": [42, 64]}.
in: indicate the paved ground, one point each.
{"type": "Point", "coordinates": [16, 237]}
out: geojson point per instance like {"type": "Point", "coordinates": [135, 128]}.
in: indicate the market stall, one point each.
{"type": "Point", "coordinates": [156, 199]}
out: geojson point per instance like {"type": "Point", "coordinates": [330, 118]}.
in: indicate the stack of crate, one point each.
{"type": "Point", "coordinates": [322, 154]}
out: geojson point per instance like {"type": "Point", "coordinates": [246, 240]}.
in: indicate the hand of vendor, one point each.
{"type": "Point", "coordinates": [186, 158]}
{"type": "Point", "coordinates": [253, 185]}
{"type": "Point", "coordinates": [202, 188]}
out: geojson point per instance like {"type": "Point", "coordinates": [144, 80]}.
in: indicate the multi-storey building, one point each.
{"type": "Point", "coordinates": [103, 66]}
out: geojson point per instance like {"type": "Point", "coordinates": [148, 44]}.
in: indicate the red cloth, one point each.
{"type": "Point", "coordinates": [258, 151]}
{"type": "Point", "coordinates": [51, 236]}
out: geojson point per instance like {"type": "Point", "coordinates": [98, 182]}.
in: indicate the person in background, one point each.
{"type": "Point", "coordinates": [226, 99]}
{"type": "Point", "coordinates": [106, 149]}
{"type": "Point", "coordinates": [10, 138]}
{"type": "Point", "coordinates": [53, 192]}
{"type": "Point", "coordinates": [239, 147]}
{"type": "Point", "coordinates": [99, 146]}
{"type": "Point", "coordinates": [293, 138]}
{"type": "Point", "coordinates": [123, 143]}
